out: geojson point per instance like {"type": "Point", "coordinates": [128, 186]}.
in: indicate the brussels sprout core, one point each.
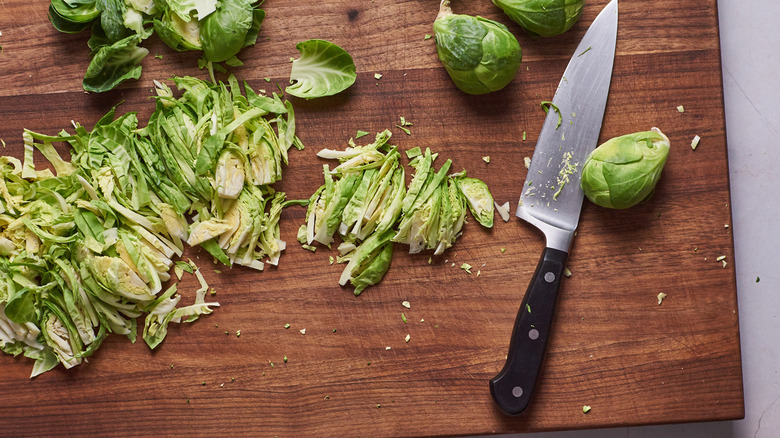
{"type": "Point", "coordinates": [480, 55]}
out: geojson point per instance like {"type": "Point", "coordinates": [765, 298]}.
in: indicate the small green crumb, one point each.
{"type": "Point", "coordinates": [171, 366]}
{"type": "Point", "coordinates": [466, 267]}
{"type": "Point", "coordinates": [407, 338]}
{"type": "Point", "coordinates": [486, 158]}
{"type": "Point", "coordinates": [188, 401]}
{"type": "Point", "coordinates": [404, 129]}
{"type": "Point", "coordinates": [720, 258]}
{"type": "Point", "coordinates": [334, 330]}
{"type": "Point", "coordinates": [377, 76]}
{"type": "Point", "coordinates": [403, 318]}
{"type": "Point", "coordinates": [528, 308]}
{"type": "Point", "coordinates": [285, 358]}
{"type": "Point", "coordinates": [327, 397]}
{"type": "Point", "coordinates": [238, 333]}
{"type": "Point", "coordinates": [360, 133]}
{"type": "Point", "coordinates": [427, 36]}
{"type": "Point", "coordinates": [213, 291]}
{"type": "Point", "coordinates": [681, 109]}
{"type": "Point", "coordinates": [309, 247]}
{"type": "Point", "coordinates": [378, 406]}
{"type": "Point", "coordinates": [267, 79]}
{"type": "Point", "coordinates": [503, 250]}
{"type": "Point", "coordinates": [566, 272]}
{"type": "Point", "coordinates": [287, 325]}
{"type": "Point", "coordinates": [758, 279]}
{"type": "Point", "coordinates": [203, 383]}
{"type": "Point", "coordinates": [695, 142]}
{"type": "Point", "coordinates": [524, 136]}
{"type": "Point", "coordinates": [585, 409]}
{"type": "Point", "coordinates": [158, 56]}
{"type": "Point", "coordinates": [413, 152]}
{"type": "Point", "coordinates": [661, 297]}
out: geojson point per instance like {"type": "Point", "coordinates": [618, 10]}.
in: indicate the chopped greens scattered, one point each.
{"type": "Point", "coordinates": [85, 249]}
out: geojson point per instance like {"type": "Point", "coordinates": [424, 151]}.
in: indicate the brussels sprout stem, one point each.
{"type": "Point", "coordinates": [444, 9]}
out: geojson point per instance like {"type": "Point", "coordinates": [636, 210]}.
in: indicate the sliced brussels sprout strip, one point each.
{"type": "Point", "coordinates": [479, 200]}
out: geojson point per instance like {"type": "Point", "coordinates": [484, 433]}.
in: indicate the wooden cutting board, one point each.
{"type": "Point", "coordinates": [613, 347]}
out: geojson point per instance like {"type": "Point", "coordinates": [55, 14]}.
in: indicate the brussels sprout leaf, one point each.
{"type": "Point", "coordinates": [323, 69]}
{"type": "Point", "coordinates": [114, 64]}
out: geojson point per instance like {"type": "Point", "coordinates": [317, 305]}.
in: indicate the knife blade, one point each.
{"type": "Point", "coordinates": [551, 200]}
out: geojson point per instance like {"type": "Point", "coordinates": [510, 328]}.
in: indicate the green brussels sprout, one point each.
{"type": "Point", "coordinates": [543, 17]}
{"type": "Point", "coordinates": [480, 55]}
{"type": "Point", "coordinates": [624, 170]}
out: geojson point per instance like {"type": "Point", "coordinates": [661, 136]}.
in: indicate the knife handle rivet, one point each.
{"type": "Point", "coordinates": [517, 391]}
{"type": "Point", "coordinates": [533, 334]}
{"type": "Point", "coordinates": [549, 277]}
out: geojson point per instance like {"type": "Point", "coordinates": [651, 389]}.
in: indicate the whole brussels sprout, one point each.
{"type": "Point", "coordinates": [543, 17]}
{"type": "Point", "coordinates": [624, 170]}
{"type": "Point", "coordinates": [480, 55]}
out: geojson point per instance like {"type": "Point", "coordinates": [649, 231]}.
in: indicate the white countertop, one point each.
{"type": "Point", "coordinates": [750, 52]}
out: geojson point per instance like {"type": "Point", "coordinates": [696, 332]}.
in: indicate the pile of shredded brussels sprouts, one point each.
{"type": "Point", "coordinates": [365, 200]}
{"type": "Point", "coordinates": [85, 250]}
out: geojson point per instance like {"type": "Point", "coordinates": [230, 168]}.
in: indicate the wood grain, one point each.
{"type": "Point", "coordinates": [613, 347]}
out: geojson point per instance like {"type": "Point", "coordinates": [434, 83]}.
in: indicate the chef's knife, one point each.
{"type": "Point", "coordinates": [551, 200]}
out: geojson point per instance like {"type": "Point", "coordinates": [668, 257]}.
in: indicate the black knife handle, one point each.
{"type": "Point", "coordinates": [513, 387]}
